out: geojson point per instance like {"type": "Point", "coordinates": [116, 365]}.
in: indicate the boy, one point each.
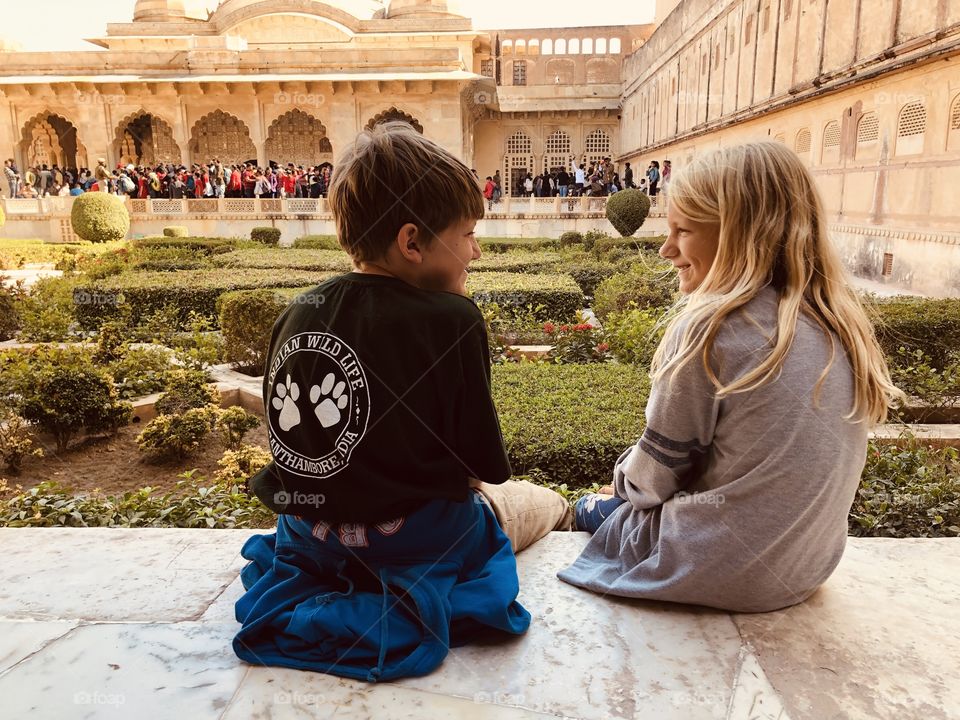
{"type": "Point", "coordinates": [380, 421]}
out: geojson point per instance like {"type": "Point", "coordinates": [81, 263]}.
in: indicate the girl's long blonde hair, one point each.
{"type": "Point", "coordinates": [773, 231]}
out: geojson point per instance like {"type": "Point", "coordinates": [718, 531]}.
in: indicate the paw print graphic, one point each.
{"type": "Point", "coordinates": [285, 401]}
{"type": "Point", "coordinates": [334, 400]}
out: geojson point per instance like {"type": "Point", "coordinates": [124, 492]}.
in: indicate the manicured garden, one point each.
{"type": "Point", "coordinates": [156, 315]}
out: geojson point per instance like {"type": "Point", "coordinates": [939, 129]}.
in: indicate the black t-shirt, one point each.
{"type": "Point", "coordinates": [377, 399]}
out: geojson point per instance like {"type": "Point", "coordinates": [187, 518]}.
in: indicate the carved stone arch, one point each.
{"type": "Point", "coordinates": [52, 139]}
{"type": "Point", "coordinates": [146, 138]}
{"type": "Point", "coordinates": [223, 136]}
{"type": "Point", "coordinates": [300, 138]}
{"type": "Point", "coordinates": [394, 114]}
{"type": "Point", "coordinates": [233, 12]}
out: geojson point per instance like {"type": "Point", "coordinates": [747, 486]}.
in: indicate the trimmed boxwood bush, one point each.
{"type": "Point", "coordinates": [569, 421]}
{"type": "Point", "coordinates": [501, 245]}
{"type": "Point", "coordinates": [175, 231]}
{"type": "Point", "coordinates": [570, 238]}
{"type": "Point", "coordinates": [317, 242]}
{"type": "Point", "coordinates": [589, 275]}
{"type": "Point", "coordinates": [334, 261]}
{"type": "Point", "coordinates": [100, 217]}
{"type": "Point", "coordinates": [932, 326]}
{"type": "Point", "coordinates": [550, 297]}
{"type": "Point", "coordinates": [139, 295]}
{"type": "Point", "coordinates": [517, 262]}
{"type": "Point", "coordinates": [246, 320]}
{"type": "Point", "coordinates": [266, 235]}
{"type": "Point", "coordinates": [626, 211]}
{"type": "Point", "coordinates": [206, 246]}
{"type": "Point", "coordinates": [643, 285]}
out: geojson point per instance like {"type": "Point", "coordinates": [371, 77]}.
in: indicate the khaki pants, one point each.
{"type": "Point", "coordinates": [526, 512]}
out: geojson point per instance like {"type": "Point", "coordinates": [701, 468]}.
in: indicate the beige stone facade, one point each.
{"type": "Point", "coordinates": [867, 93]}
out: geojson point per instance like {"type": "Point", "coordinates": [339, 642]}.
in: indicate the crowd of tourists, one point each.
{"type": "Point", "coordinates": [596, 180]}
{"type": "Point", "coordinates": [211, 180]}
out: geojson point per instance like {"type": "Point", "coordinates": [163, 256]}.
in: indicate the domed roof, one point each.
{"type": "Point", "coordinates": [421, 9]}
{"type": "Point", "coordinates": [159, 11]}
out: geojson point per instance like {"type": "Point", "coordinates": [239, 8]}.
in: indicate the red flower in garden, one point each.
{"type": "Point", "coordinates": [602, 347]}
{"type": "Point", "coordinates": [564, 328]}
{"type": "Point", "coordinates": [583, 326]}
{"type": "Point", "coordinates": [549, 327]}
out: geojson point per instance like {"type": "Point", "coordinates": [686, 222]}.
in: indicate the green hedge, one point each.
{"type": "Point", "coordinates": [266, 235]}
{"type": "Point", "coordinates": [207, 246]}
{"type": "Point", "coordinates": [501, 245]}
{"type": "Point", "coordinates": [643, 285]}
{"type": "Point", "coordinates": [176, 231]}
{"type": "Point", "coordinates": [317, 242]}
{"type": "Point", "coordinates": [517, 262]}
{"type": "Point", "coordinates": [558, 296]}
{"type": "Point", "coordinates": [334, 261]}
{"type": "Point", "coordinates": [932, 326]}
{"type": "Point", "coordinates": [142, 294]}
{"type": "Point", "coordinates": [246, 320]}
{"type": "Point", "coordinates": [569, 421]}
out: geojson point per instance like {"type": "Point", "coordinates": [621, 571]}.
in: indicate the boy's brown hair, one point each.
{"type": "Point", "coordinates": [392, 175]}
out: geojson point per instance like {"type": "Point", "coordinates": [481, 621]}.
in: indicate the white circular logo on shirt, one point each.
{"type": "Point", "coordinates": [319, 404]}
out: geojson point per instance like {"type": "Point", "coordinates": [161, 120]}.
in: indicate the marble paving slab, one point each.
{"type": "Point", "coordinates": [105, 623]}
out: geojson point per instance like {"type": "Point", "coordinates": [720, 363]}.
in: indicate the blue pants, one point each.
{"type": "Point", "coordinates": [592, 510]}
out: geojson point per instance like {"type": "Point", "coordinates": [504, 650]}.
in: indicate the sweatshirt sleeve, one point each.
{"type": "Point", "coordinates": [479, 442]}
{"type": "Point", "coordinates": [681, 420]}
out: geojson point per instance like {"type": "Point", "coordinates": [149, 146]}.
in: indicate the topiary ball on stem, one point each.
{"type": "Point", "coordinates": [626, 211]}
{"type": "Point", "coordinates": [100, 217]}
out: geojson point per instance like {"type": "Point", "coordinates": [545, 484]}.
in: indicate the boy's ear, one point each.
{"type": "Point", "coordinates": [409, 243]}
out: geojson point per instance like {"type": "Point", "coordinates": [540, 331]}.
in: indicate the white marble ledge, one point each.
{"type": "Point", "coordinates": [105, 623]}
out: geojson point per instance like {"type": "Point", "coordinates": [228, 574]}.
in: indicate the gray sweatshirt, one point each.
{"type": "Point", "coordinates": [738, 503]}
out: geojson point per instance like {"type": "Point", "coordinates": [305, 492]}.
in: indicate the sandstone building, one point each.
{"type": "Point", "coordinates": [867, 93]}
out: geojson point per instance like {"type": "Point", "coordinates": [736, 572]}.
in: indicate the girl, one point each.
{"type": "Point", "coordinates": [764, 388]}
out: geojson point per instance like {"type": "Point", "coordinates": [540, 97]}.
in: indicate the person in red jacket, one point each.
{"type": "Point", "coordinates": [235, 185]}
{"type": "Point", "coordinates": [488, 192]}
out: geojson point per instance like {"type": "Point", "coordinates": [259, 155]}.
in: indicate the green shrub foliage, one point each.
{"type": "Point", "coordinates": [554, 297]}
{"type": "Point", "coordinates": [266, 235]}
{"type": "Point", "coordinates": [642, 285]}
{"type": "Point", "coordinates": [233, 423]}
{"type": "Point", "coordinates": [175, 231]}
{"type": "Point", "coordinates": [65, 400]}
{"type": "Point", "coordinates": [186, 390]}
{"type": "Point", "coordinates": [100, 217]}
{"type": "Point", "coordinates": [246, 320]}
{"type": "Point", "coordinates": [930, 326]}
{"type": "Point", "coordinates": [169, 437]}
{"type": "Point", "coordinates": [570, 238]}
{"type": "Point", "coordinates": [626, 211]}
{"type": "Point", "coordinates": [317, 242]}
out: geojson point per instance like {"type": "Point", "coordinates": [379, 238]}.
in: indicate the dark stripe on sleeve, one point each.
{"type": "Point", "coordinates": [666, 460]}
{"type": "Point", "coordinates": [674, 445]}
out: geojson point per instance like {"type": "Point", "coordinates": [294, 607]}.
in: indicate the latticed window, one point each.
{"type": "Point", "coordinates": [519, 143]}
{"type": "Point", "coordinates": [486, 68]}
{"type": "Point", "coordinates": [831, 134]}
{"type": "Point", "coordinates": [558, 153]}
{"type": "Point", "coordinates": [955, 115]}
{"type": "Point", "coordinates": [802, 144]}
{"type": "Point", "coordinates": [913, 120]}
{"type": "Point", "coordinates": [868, 129]}
{"type": "Point", "coordinates": [520, 72]}
{"type": "Point", "coordinates": [597, 145]}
